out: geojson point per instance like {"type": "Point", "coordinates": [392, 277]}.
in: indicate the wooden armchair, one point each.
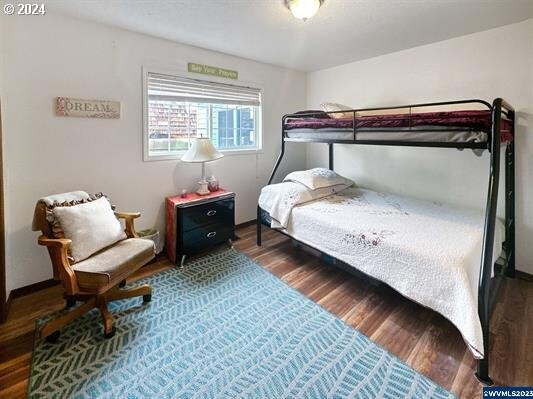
{"type": "Point", "coordinates": [97, 279]}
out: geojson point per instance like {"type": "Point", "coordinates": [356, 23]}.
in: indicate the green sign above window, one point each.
{"type": "Point", "coordinates": [211, 70]}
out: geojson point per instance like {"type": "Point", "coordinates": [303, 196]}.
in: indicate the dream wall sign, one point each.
{"type": "Point", "coordinates": [66, 106]}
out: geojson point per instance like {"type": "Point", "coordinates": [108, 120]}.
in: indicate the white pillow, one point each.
{"type": "Point", "coordinates": [318, 178]}
{"type": "Point", "coordinates": [91, 226]}
{"type": "Point", "coordinates": [330, 107]}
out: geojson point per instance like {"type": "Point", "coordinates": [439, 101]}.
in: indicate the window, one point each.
{"type": "Point", "coordinates": [178, 109]}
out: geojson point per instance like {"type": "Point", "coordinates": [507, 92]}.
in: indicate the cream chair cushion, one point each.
{"type": "Point", "coordinates": [91, 226]}
{"type": "Point", "coordinates": [118, 260]}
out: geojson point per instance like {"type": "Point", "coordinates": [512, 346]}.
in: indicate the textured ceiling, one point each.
{"type": "Point", "coordinates": [264, 30]}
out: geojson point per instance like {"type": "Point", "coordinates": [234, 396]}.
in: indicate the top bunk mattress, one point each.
{"type": "Point", "coordinates": [471, 126]}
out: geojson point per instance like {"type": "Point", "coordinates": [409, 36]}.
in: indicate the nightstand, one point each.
{"type": "Point", "coordinates": [198, 222]}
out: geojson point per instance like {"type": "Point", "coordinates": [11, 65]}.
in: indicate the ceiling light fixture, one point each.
{"type": "Point", "coordinates": [303, 9]}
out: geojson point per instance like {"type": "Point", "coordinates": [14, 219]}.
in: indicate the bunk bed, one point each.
{"type": "Point", "coordinates": [487, 127]}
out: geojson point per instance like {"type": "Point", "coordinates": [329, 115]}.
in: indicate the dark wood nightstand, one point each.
{"type": "Point", "coordinates": [198, 222]}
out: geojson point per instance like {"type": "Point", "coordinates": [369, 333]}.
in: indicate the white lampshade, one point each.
{"type": "Point", "coordinates": [201, 150]}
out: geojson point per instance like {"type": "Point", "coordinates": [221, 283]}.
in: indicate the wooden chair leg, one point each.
{"type": "Point", "coordinates": [55, 324]}
{"type": "Point", "coordinates": [107, 318]}
{"type": "Point", "coordinates": [144, 290]}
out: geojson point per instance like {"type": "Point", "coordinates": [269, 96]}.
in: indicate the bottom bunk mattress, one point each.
{"type": "Point", "coordinates": [427, 251]}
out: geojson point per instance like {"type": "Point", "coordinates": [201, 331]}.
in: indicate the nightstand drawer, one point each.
{"type": "Point", "coordinates": [214, 212]}
{"type": "Point", "coordinates": [206, 236]}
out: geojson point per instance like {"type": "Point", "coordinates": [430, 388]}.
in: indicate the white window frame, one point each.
{"type": "Point", "coordinates": [182, 74]}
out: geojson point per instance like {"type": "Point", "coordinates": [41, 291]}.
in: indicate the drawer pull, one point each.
{"type": "Point", "coordinates": [211, 234]}
{"type": "Point", "coordinates": [211, 213]}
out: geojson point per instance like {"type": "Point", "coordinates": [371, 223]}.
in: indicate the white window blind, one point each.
{"type": "Point", "coordinates": [178, 109]}
{"type": "Point", "coordinates": [167, 87]}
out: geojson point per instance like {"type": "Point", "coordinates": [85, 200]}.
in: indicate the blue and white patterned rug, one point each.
{"type": "Point", "coordinates": [222, 328]}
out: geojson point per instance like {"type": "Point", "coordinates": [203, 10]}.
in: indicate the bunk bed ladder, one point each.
{"type": "Point", "coordinates": [484, 287]}
{"type": "Point", "coordinates": [510, 206]}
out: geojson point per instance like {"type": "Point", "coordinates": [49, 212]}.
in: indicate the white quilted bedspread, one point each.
{"type": "Point", "coordinates": [427, 251]}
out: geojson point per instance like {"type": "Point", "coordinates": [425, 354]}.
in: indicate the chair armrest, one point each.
{"type": "Point", "coordinates": [58, 249]}
{"type": "Point", "coordinates": [129, 217]}
{"type": "Point", "coordinates": [62, 243]}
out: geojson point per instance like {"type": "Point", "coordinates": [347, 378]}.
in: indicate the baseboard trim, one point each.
{"type": "Point", "coordinates": [5, 309]}
{"type": "Point", "coordinates": [523, 275]}
{"type": "Point", "coordinates": [22, 291]}
{"type": "Point", "coordinates": [245, 224]}
{"type": "Point", "coordinates": [28, 289]}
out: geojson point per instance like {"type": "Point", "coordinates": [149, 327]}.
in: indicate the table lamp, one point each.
{"type": "Point", "coordinates": [202, 150]}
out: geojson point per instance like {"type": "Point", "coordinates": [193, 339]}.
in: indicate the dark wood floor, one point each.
{"type": "Point", "coordinates": [422, 338]}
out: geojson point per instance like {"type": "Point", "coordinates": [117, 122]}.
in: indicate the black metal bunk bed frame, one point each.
{"type": "Point", "coordinates": [487, 286]}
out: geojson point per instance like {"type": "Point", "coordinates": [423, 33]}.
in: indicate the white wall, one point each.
{"type": "Point", "coordinates": [494, 63]}
{"type": "Point", "coordinates": [49, 56]}
{"type": "Point", "coordinates": [45, 57]}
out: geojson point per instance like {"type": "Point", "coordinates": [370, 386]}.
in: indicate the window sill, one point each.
{"type": "Point", "coordinates": [178, 155]}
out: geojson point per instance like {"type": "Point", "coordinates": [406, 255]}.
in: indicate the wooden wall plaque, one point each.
{"type": "Point", "coordinates": [66, 106]}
